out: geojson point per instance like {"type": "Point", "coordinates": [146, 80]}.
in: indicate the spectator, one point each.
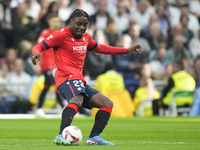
{"type": "Point", "coordinates": [155, 34]}
{"type": "Point", "coordinates": [197, 70]}
{"type": "Point", "coordinates": [179, 81]}
{"type": "Point", "coordinates": [172, 12]}
{"type": "Point", "coordinates": [63, 10]}
{"type": "Point", "coordinates": [187, 33]}
{"type": "Point", "coordinates": [134, 32]}
{"type": "Point", "coordinates": [178, 3]}
{"type": "Point", "coordinates": [145, 33]}
{"type": "Point", "coordinates": [146, 90]}
{"type": "Point", "coordinates": [191, 71]}
{"type": "Point", "coordinates": [23, 26]}
{"type": "Point", "coordinates": [101, 17]}
{"type": "Point", "coordinates": [193, 23]}
{"type": "Point", "coordinates": [194, 7]}
{"type": "Point", "coordinates": [112, 85]}
{"type": "Point", "coordinates": [10, 61]}
{"type": "Point", "coordinates": [132, 21]}
{"type": "Point", "coordinates": [158, 66]}
{"type": "Point", "coordinates": [44, 4]}
{"type": "Point", "coordinates": [6, 14]}
{"type": "Point", "coordinates": [33, 9]}
{"type": "Point", "coordinates": [185, 62]}
{"type": "Point", "coordinates": [95, 64]}
{"type": "Point", "coordinates": [177, 30]}
{"type": "Point", "coordinates": [162, 43]}
{"type": "Point", "coordinates": [122, 17]}
{"type": "Point", "coordinates": [111, 32]}
{"type": "Point", "coordinates": [25, 53]}
{"type": "Point", "coordinates": [82, 4]}
{"type": "Point", "coordinates": [18, 80]}
{"type": "Point", "coordinates": [43, 23]}
{"type": "Point", "coordinates": [168, 72]}
{"type": "Point", "coordinates": [178, 50]}
{"type": "Point", "coordinates": [24, 105]}
{"type": "Point", "coordinates": [91, 29]}
{"type": "Point", "coordinates": [144, 11]}
{"type": "Point", "coordinates": [194, 46]}
{"type": "Point", "coordinates": [2, 81]}
{"type": "Point", "coordinates": [127, 65]}
{"type": "Point", "coordinates": [163, 20]}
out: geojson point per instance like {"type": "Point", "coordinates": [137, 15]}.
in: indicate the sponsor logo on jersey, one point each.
{"type": "Point", "coordinates": [50, 37]}
{"type": "Point", "coordinates": [79, 49]}
{"type": "Point", "coordinates": [84, 39]}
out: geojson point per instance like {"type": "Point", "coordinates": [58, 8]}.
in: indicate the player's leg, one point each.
{"type": "Point", "coordinates": [105, 108]}
{"type": "Point", "coordinates": [98, 100]}
{"type": "Point", "coordinates": [67, 116]}
{"type": "Point", "coordinates": [59, 98]}
{"type": "Point", "coordinates": [47, 84]}
{"type": "Point", "coordinates": [69, 91]}
{"type": "Point", "coordinates": [49, 80]}
{"type": "Point", "coordinates": [70, 111]}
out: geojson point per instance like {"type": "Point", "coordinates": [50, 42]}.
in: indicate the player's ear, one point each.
{"type": "Point", "coordinates": [71, 21]}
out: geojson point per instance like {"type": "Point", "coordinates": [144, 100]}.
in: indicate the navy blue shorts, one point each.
{"type": "Point", "coordinates": [71, 88]}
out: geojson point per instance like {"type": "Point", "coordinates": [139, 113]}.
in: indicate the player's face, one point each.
{"type": "Point", "coordinates": [79, 26]}
{"type": "Point", "coordinates": [54, 23]}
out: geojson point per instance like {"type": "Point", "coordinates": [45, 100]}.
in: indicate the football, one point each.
{"type": "Point", "coordinates": [73, 134]}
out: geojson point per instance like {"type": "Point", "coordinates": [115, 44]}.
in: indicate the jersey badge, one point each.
{"type": "Point", "coordinates": [79, 88]}
{"type": "Point", "coordinates": [84, 39]}
{"type": "Point", "coordinates": [72, 39]}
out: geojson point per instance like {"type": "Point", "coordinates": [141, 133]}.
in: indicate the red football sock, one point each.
{"type": "Point", "coordinates": [101, 120]}
{"type": "Point", "coordinates": [67, 115]}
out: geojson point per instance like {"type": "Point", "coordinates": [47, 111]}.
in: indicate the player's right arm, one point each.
{"type": "Point", "coordinates": [54, 40]}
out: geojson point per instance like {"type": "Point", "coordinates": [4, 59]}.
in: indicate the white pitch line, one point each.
{"type": "Point", "coordinates": [24, 145]}
{"type": "Point", "coordinates": [154, 142]}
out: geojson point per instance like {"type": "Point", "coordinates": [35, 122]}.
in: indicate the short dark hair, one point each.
{"type": "Point", "coordinates": [79, 13]}
{"type": "Point", "coordinates": [182, 16]}
{"type": "Point", "coordinates": [51, 15]}
{"type": "Point", "coordinates": [110, 21]}
{"type": "Point", "coordinates": [179, 64]}
{"type": "Point", "coordinates": [162, 40]}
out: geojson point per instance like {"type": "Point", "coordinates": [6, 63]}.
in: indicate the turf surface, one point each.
{"type": "Point", "coordinates": [126, 133]}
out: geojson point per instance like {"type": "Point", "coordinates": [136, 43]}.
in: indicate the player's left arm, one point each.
{"type": "Point", "coordinates": [105, 49]}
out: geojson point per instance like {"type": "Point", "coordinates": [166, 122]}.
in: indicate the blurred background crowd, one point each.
{"type": "Point", "coordinates": [168, 31]}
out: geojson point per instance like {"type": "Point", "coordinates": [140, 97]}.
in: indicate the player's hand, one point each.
{"type": "Point", "coordinates": [135, 48]}
{"type": "Point", "coordinates": [35, 58]}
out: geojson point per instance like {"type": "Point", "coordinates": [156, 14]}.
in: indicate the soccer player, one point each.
{"type": "Point", "coordinates": [70, 45]}
{"type": "Point", "coordinates": [48, 63]}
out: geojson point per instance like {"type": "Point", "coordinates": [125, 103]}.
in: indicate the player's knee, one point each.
{"type": "Point", "coordinates": [78, 100]}
{"type": "Point", "coordinates": [109, 103]}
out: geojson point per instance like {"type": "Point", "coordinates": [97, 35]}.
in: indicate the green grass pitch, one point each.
{"type": "Point", "coordinates": [127, 133]}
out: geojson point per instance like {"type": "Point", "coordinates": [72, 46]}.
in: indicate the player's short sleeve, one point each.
{"type": "Point", "coordinates": [92, 44]}
{"type": "Point", "coordinates": [54, 40]}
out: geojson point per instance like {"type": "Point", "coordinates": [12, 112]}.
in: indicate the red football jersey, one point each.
{"type": "Point", "coordinates": [47, 57]}
{"type": "Point", "coordinates": [69, 53]}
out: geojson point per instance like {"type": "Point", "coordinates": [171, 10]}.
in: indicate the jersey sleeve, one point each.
{"type": "Point", "coordinates": [92, 44]}
{"type": "Point", "coordinates": [41, 37]}
{"type": "Point", "coordinates": [54, 40]}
